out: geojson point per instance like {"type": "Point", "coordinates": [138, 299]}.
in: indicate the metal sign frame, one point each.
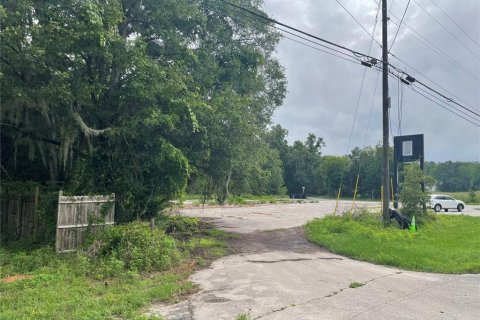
{"type": "Point", "coordinates": [406, 149]}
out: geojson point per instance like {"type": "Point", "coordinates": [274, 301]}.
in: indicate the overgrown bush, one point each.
{"type": "Point", "coordinates": [135, 247]}
{"type": "Point", "coordinates": [179, 226]}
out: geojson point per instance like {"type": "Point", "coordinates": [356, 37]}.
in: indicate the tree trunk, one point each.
{"type": "Point", "coordinates": [227, 183]}
{"type": "Point", "coordinates": [52, 164]}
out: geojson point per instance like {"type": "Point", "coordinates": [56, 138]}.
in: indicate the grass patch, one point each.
{"type": "Point", "coordinates": [240, 200]}
{"type": "Point", "coordinates": [355, 284]}
{"type": "Point", "coordinates": [448, 244]}
{"type": "Point", "coordinates": [130, 268]}
{"type": "Point", "coordinates": [243, 316]}
{"type": "Point", "coordinates": [472, 197]}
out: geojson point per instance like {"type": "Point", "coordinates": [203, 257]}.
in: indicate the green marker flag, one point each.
{"type": "Point", "coordinates": [413, 227]}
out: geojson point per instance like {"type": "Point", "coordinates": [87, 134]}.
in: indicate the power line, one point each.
{"type": "Point", "coordinates": [356, 53]}
{"type": "Point", "coordinates": [413, 80]}
{"type": "Point", "coordinates": [363, 80]}
{"type": "Point", "coordinates": [428, 91]}
{"type": "Point", "coordinates": [309, 40]}
{"type": "Point", "coordinates": [446, 29]}
{"type": "Point", "coordinates": [473, 118]}
{"type": "Point", "coordinates": [371, 109]}
{"type": "Point", "coordinates": [420, 38]}
{"type": "Point", "coordinates": [400, 109]}
{"type": "Point", "coordinates": [261, 16]}
{"type": "Point", "coordinates": [396, 34]}
{"type": "Point", "coordinates": [432, 81]}
{"type": "Point", "coordinates": [352, 59]}
{"type": "Point", "coordinates": [447, 98]}
{"type": "Point", "coordinates": [442, 106]}
{"type": "Point", "coordinates": [440, 102]}
{"type": "Point", "coordinates": [361, 26]}
{"type": "Point", "coordinates": [325, 51]}
{"type": "Point", "coordinates": [399, 124]}
{"type": "Point", "coordinates": [459, 27]}
{"type": "Point", "coordinates": [427, 43]}
{"type": "Point", "coordinates": [391, 6]}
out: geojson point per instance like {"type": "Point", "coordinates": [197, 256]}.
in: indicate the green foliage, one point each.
{"type": "Point", "coordinates": [448, 244]}
{"type": "Point", "coordinates": [471, 197]}
{"type": "Point", "coordinates": [302, 163]}
{"type": "Point", "coordinates": [412, 198]}
{"type": "Point", "coordinates": [455, 176]}
{"type": "Point", "coordinates": [110, 280]}
{"type": "Point", "coordinates": [136, 247]}
{"type": "Point", "coordinates": [46, 210]}
{"type": "Point", "coordinates": [243, 316]}
{"type": "Point", "coordinates": [179, 227]}
{"type": "Point", "coordinates": [367, 164]}
{"type": "Point", "coordinates": [355, 284]}
{"type": "Point", "coordinates": [332, 169]}
{"type": "Point", "coordinates": [58, 291]}
{"type": "Point", "coordinates": [207, 249]}
{"type": "Point", "coordinates": [135, 98]}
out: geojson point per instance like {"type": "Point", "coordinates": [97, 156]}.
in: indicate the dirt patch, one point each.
{"type": "Point", "coordinates": [16, 278]}
{"type": "Point", "coordinates": [292, 239]}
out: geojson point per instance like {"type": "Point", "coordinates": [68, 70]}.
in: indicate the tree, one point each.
{"type": "Point", "coordinates": [455, 176]}
{"type": "Point", "coordinates": [302, 165]}
{"type": "Point", "coordinates": [332, 170]}
{"type": "Point", "coordinates": [242, 84]}
{"type": "Point", "coordinates": [133, 97]}
{"type": "Point", "coordinates": [412, 198]}
{"type": "Point", "coordinates": [367, 163]}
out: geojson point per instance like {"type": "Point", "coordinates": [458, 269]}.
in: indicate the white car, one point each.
{"type": "Point", "coordinates": [443, 202]}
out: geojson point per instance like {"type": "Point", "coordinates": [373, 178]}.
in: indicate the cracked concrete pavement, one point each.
{"type": "Point", "coordinates": [277, 274]}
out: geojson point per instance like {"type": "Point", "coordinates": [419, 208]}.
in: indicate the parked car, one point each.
{"type": "Point", "coordinates": [443, 202]}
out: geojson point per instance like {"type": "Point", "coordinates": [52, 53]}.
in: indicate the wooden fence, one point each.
{"type": "Point", "coordinates": [19, 216]}
{"type": "Point", "coordinates": [77, 214]}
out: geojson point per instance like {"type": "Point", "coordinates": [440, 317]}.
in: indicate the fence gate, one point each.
{"type": "Point", "coordinates": [76, 214]}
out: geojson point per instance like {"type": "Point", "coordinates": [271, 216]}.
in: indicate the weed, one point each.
{"type": "Point", "coordinates": [136, 247]}
{"type": "Point", "coordinates": [355, 284]}
{"type": "Point", "coordinates": [243, 316]}
{"type": "Point", "coordinates": [178, 226]}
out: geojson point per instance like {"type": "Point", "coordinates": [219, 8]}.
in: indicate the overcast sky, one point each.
{"type": "Point", "coordinates": [323, 89]}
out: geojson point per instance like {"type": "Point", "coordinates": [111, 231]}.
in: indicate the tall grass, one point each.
{"type": "Point", "coordinates": [472, 197]}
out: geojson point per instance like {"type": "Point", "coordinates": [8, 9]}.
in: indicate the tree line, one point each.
{"type": "Point", "coordinates": [150, 99]}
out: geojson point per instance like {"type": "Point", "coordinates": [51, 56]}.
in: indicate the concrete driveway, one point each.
{"type": "Point", "coordinates": [277, 274]}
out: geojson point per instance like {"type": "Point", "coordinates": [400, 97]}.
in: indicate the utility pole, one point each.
{"type": "Point", "coordinates": [386, 175]}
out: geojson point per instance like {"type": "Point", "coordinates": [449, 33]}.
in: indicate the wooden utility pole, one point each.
{"type": "Point", "coordinates": [386, 175]}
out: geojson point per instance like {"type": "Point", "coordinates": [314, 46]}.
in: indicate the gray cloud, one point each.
{"type": "Point", "coordinates": [323, 90]}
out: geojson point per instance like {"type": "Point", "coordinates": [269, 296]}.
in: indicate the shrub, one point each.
{"type": "Point", "coordinates": [178, 226]}
{"type": "Point", "coordinates": [136, 247]}
{"type": "Point", "coordinates": [472, 196]}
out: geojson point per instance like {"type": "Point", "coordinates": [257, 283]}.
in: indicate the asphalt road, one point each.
{"type": "Point", "coordinates": [277, 274]}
